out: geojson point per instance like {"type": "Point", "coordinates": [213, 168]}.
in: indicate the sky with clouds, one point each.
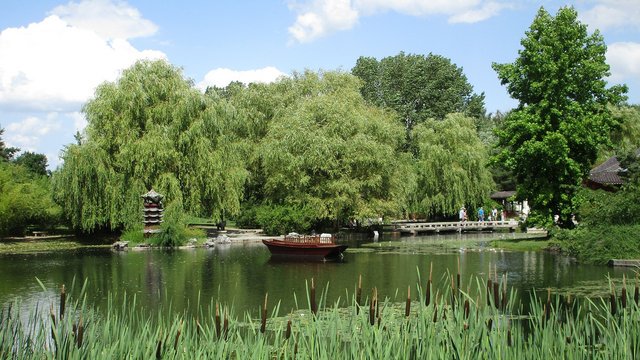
{"type": "Point", "coordinates": [54, 53]}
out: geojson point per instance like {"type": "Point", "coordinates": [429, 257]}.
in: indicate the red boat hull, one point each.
{"type": "Point", "coordinates": [309, 250]}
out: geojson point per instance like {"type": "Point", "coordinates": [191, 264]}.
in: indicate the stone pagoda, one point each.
{"type": "Point", "coordinates": [152, 212]}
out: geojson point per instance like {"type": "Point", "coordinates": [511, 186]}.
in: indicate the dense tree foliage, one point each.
{"type": "Point", "coordinates": [6, 153]}
{"type": "Point", "coordinates": [330, 156]}
{"type": "Point", "coordinates": [150, 129]}
{"type": "Point", "coordinates": [552, 138]}
{"type": "Point", "coordinates": [451, 167]}
{"type": "Point", "coordinates": [33, 162]}
{"type": "Point", "coordinates": [626, 137]}
{"type": "Point", "coordinates": [25, 200]}
{"type": "Point", "coordinates": [418, 87]}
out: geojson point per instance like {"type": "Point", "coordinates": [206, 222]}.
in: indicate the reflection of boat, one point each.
{"type": "Point", "coordinates": [308, 246]}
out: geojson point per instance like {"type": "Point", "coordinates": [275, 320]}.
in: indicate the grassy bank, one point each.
{"type": "Point", "coordinates": [521, 244]}
{"type": "Point", "coordinates": [599, 244]}
{"type": "Point", "coordinates": [36, 245]}
{"type": "Point", "coordinates": [447, 321]}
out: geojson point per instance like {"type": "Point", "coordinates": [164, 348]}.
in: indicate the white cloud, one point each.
{"type": "Point", "coordinates": [609, 14]}
{"type": "Point", "coordinates": [109, 19]}
{"type": "Point", "coordinates": [26, 134]}
{"type": "Point", "coordinates": [486, 11]}
{"type": "Point", "coordinates": [321, 17]}
{"type": "Point", "coordinates": [221, 77]}
{"type": "Point", "coordinates": [79, 121]}
{"type": "Point", "coordinates": [53, 66]}
{"type": "Point", "coordinates": [624, 59]}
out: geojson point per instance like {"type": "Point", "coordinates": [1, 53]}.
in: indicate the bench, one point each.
{"type": "Point", "coordinates": [39, 233]}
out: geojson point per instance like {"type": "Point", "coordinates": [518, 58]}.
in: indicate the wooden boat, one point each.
{"type": "Point", "coordinates": [306, 246]}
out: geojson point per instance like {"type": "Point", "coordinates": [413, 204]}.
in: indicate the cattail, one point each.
{"type": "Point", "coordinates": [263, 327]}
{"type": "Point", "coordinates": [159, 347]}
{"type": "Point", "coordinates": [63, 300]}
{"type": "Point", "coordinates": [466, 309]}
{"type": "Point", "coordinates": [359, 293]}
{"type": "Point", "coordinates": [504, 294]}
{"type": "Point", "coordinates": [547, 306]}
{"type": "Point", "coordinates": [177, 339]}
{"type": "Point", "coordinates": [218, 333]}
{"type": "Point", "coordinates": [435, 310]}
{"type": "Point", "coordinates": [490, 324]}
{"type": "Point", "coordinates": [407, 308]}
{"type": "Point", "coordinates": [489, 286]}
{"type": "Point", "coordinates": [453, 296]}
{"type": "Point", "coordinates": [496, 293]}
{"type": "Point", "coordinates": [377, 305]}
{"type": "Point", "coordinates": [509, 341]}
{"type": "Point", "coordinates": [458, 280]}
{"type": "Point", "coordinates": [200, 328]}
{"type": "Point", "coordinates": [428, 290]}
{"type": "Point", "coordinates": [372, 308]}
{"type": "Point", "coordinates": [287, 333]}
{"type": "Point", "coordinates": [225, 326]}
{"type": "Point", "coordinates": [613, 301]}
{"type": "Point", "coordinates": [623, 295]}
{"type": "Point", "coordinates": [636, 293]}
{"type": "Point", "coordinates": [312, 296]}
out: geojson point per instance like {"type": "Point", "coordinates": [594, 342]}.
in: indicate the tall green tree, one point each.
{"type": "Point", "coordinates": [551, 139]}
{"type": "Point", "coordinates": [330, 154]}
{"type": "Point", "coordinates": [25, 200]}
{"type": "Point", "coordinates": [34, 162]}
{"type": "Point", "coordinates": [418, 87]}
{"type": "Point", "coordinates": [6, 153]}
{"type": "Point", "coordinates": [150, 129]}
{"type": "Point", "coordinates": [451, 167]}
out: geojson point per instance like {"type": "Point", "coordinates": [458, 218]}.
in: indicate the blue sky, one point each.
{"type": "Point", "coordinates": [54, 53]}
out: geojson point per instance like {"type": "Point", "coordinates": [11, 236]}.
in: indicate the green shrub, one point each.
{"type": "Point", "coordinates": [134, 236]}
{"type": "Point", "coordinates": [282, 219]}
{"type": "Point", "coordinates": [247, 219]}
{"type": "Point", "coordinates": [174, 228]}
{"type": "Point", "coordinates": [599, 244]}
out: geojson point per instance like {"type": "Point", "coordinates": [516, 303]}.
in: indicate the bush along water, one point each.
{"type": "Point", "coordinates": [449, 321]}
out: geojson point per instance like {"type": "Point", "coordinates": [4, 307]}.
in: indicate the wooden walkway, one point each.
{"type": "Point", "coordinates": [425, 227]}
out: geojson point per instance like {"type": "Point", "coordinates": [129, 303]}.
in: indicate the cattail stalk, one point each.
{"type": "Point", "coordinates": [489, 286]}
{"type": "Point", "coordinates": [458, 279]}
{"type": "Point", "coordinates": [263, 327]}
{"type": "Point", "coordinates": [372, 307]}
{"type": "Point", "coordinates": [218, 333]}
{"type": "Point", "coordinates": [407, 308]}
{"type": "Point", "coordinates": [623, 295]}
{"type": "Point", "coordinates": [63, 300]}
{"type": "Point", "coordinates": [177, 339]}
{"type": "Point", "coordinates": [427, 294]}
{"type": "Point", "coordinates": [359, 294]}
{"type": "Point", "coordinates": [504, 293]}
{"type": "Point", "coordinates": [612, 300]}
{"type": "Point", "coordinates": [287, 333]}
{"type": "Point", "coordinates": [312, 296]}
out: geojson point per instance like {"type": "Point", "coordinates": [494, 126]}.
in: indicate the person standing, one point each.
{"type": "Point", "coordinates": [481, 214]}
{"type": "Point", "coordinates": [494, 214]}
{"type": "Point", "coordinates": [461, 214]}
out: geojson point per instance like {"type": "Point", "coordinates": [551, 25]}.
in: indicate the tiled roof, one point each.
{"type": "Point", "coordinates": [607, 173]}
{"type": "Point", "coordinates": [502, 194]}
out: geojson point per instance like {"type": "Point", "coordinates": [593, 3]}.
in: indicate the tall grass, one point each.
{"type": "Point", "coordinates": [451, 320]}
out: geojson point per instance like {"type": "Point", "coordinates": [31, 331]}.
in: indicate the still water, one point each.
{"type": "Point", "coordinates": [240, 274]}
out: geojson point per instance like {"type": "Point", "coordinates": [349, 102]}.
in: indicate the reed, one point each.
{"type": "Point", "coordinates": [554, 326]}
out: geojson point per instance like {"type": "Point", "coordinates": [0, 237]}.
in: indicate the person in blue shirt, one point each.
{"type": "Point", "coordinates": [481, 214]}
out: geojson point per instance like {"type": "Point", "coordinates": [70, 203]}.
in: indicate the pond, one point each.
{"type": "Point", "coordinates": [239, 275]}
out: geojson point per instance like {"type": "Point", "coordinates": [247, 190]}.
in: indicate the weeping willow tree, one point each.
{"type": "Point", "coordinates": [451, 166]}
{"type": "Point", "coordinates": [151, 129]}
{"type": "Point", "coordinates": [328, 152]}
